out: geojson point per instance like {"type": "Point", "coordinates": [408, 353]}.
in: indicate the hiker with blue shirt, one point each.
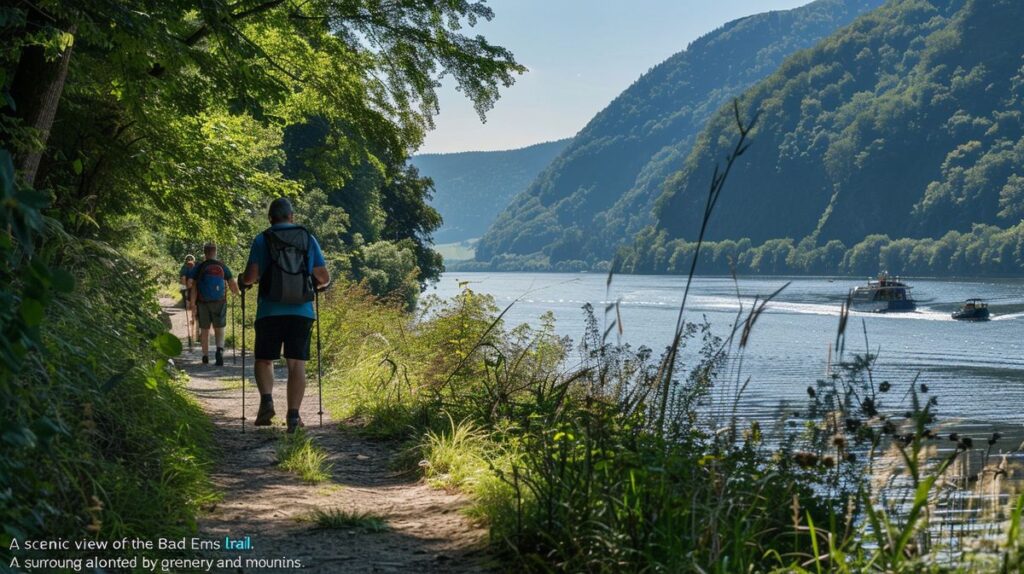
{"type": "Point", "coordinates": [287, 263]}
{"type": "Point", "coordinates": [209, 282]}
{"type": "Point", "coordinates": [186, 269]}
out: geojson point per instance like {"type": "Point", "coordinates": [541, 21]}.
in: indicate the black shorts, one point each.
{"type": "Point", "coordinates": [291, 331]}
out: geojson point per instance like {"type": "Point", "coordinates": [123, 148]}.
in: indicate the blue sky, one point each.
{"type": "Point", "coordinates": [581, 54]}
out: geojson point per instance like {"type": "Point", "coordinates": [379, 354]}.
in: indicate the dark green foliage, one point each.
{"type": "Point", "coordinates": [355, 203]}
{"type": "Point", "coordinates": [984, 250]}
{"type": "Point", "coordinates": [905, 123]}
{"type": "Point", "coordinates": [471, 188]}
{"type": "Point", "coordinates": [601, 189]}
{"type": "Point", "coordinates": [98, 438]}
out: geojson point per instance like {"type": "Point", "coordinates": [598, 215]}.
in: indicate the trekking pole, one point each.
{"type": "Point", "coordinates": [188, 318]}
{"type": "Point", "coordinates": [319, 357]}
{"type": "Point", "coordinates": [234, 341]}
{"type": "Point", "coordinates": [243, 360]}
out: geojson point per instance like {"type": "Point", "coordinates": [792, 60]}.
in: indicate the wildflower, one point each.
{"type": "Point", "coordinates": [884, 387]}
{"type": "Point", "coordinates": [806, 459]}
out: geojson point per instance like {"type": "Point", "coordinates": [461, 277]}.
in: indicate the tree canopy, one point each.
{"type": "Point", "coordinates": [184, 115]}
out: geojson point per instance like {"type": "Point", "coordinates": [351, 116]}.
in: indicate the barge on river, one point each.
{"type": "Point", "coordinates": [886, 294]}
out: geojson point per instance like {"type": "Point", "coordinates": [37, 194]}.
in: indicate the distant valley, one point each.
{"type": "Point", "coordinates": [471, 188]}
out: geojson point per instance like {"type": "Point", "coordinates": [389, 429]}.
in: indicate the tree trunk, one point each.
{"type": "Point", "coordinates": [36, 90]}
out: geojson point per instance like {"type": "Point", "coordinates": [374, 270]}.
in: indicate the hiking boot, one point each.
{"type": "Point", "coordinates": [294, 423]}
{"type": "Point", "coordinates": [219, 357]}
{"type": "Point", "coordinates": [206, 359]}
{"type": "Point", "coordinates": [265, 414]}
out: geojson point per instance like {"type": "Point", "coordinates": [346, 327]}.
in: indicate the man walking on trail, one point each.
{"type": "Point", "coordinates": [287, 262]}
{"type": "Point", "coordinates": [186, 270]}
{"type": "Point", "coordinates": [210, 280]}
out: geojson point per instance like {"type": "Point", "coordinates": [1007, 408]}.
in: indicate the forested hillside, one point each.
{"type": "Point", "coordinates": [601, 188]}
{"type": "Point", "coordinates": [906, 124]}
{"type": "Point", "coordinates": [471, 188]}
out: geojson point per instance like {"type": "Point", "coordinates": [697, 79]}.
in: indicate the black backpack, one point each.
{"type": "Point", "coordinates": [287, 279]}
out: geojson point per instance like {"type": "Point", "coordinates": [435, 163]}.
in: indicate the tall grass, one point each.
{"type": "Point", "coordinates": [599, 457]}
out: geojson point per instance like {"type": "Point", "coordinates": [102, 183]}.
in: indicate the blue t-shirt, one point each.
{"type": "Point", "coordinates": [187, 272]}
{"type": "Point", "coordinates": [260, 255]}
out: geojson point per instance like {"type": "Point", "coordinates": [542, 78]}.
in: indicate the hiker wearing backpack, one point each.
{"type": "Point", "coordinates": [210, 281]}
{"type": "Point", "coordinates": [186, 270]}
{"type": "Point", "coordinates": [287, 263]}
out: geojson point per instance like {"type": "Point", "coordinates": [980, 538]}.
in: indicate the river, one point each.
{"type": "Point", "coordinates": [975, 369]}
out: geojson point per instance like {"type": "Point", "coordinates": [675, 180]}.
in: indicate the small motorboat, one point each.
{"type": "Point", "coordinates": [972, 310]}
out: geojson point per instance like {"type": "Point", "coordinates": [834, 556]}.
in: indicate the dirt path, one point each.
{"type": "Point", "coordinates": [426, 531]}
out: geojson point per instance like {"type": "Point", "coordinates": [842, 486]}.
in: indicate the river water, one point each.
{"type": "Point", "coordinates": [975, 369]}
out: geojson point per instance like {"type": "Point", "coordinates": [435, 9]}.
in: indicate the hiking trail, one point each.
{"type": "Point", "coordinates": [426, 532]}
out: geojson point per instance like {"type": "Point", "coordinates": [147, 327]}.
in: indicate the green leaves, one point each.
{"type": "Point", "coordinates": [31, 312]}
{"type": "Point", "coordinates": [167, 344]}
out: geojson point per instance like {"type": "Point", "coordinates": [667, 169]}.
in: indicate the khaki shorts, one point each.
{"type": "Point", "coordinates": [212, 312]}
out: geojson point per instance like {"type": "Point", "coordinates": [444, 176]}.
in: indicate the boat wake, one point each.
{"type": "Point", "coordinates": [826, 309]}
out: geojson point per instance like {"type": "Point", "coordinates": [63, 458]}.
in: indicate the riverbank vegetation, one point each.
{"type": "Point", "coordinates": [985, 250]}
{"type": "Point", "coordinates": [578, 456]}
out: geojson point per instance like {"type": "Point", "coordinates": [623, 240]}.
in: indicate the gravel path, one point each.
{"type": "Point", "coordinates": [426, 530]}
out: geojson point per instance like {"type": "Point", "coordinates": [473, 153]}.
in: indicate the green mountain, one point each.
{"type": "Point", "coordinates": [601, 188]}
{"type": "Point", "coordinates": [906, 124]}
{"type": "Point", "coordinates": [471, 188]}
